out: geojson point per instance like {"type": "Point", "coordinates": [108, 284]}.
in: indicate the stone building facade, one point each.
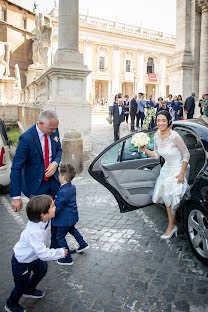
{"type": "Point", "coordinates": [124, 58]}
{"type": "Point", "coordinates": [189, 65]}
{"type": "Point", "coordinates": [16, 27]}
{"type": "Point", "coordinates": [138, 62]}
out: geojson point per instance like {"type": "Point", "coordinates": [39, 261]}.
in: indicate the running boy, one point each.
{"type": "Point", "coordinates": [66, 215]}
{"type": "Point", "coordinates": [30, 252]}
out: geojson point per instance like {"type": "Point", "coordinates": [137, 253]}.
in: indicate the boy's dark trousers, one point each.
{"type": "Point", "coordinates": [22, 280]}
{"type": "Point", "coordinates": [58, 239]}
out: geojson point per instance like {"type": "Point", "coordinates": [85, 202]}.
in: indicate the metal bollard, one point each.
{"type": "Point", "coordinates": [72, 146]}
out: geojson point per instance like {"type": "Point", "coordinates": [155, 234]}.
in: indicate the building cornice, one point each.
{"type": "Point", "coordinates": [103, 25]}
{"type": "Point", "coordinates": [19, 6]}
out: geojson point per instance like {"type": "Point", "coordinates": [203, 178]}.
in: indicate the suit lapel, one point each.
{"type": "Point", "coordinates": [37, 140]}
{"type": "Point", "coordinates": [53, 146]}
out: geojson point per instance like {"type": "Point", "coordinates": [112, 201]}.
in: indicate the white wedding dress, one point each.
{"type": "Point", "coordinates": [167, 191]}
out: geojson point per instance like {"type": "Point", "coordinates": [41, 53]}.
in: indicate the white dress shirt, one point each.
{"type": "Point", "coordinates": [32, 244]}
{"type": "Point", "coordinates": [42, 142]}
{"type": "Point", "coordinates": [120, 109]}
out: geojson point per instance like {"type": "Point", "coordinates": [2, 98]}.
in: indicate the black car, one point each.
{"type": "Point", "coordinates": [131, 175]}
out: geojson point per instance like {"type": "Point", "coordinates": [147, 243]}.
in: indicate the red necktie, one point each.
{"type": "Point", "coordinates": [46, 155]}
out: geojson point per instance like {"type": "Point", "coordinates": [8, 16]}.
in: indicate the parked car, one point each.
{"type": "Point", "coordinates": [131, 175]}
{"type": "Point", "coordinates": [5, 160]}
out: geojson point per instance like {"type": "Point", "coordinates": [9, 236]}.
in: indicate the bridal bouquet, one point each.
{"type": "Point", "coordinates": [140, 139]}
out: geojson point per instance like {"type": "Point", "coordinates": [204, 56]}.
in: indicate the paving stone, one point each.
{"type": "Point", "coordinates": [127, 268]}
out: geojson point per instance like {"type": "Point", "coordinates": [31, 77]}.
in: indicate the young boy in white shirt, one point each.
{"type": "Point", "coordinates": [31, 253]}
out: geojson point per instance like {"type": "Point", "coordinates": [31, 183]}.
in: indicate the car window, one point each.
{"type": "Point", "coordinates": [130, 152]}
{"type": "Point", "coordinates": [112, 156]}
{"type": "Point", "coordinates": [183, 133]}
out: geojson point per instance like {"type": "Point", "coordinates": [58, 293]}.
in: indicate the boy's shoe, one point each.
{"type": "Point", "coordinates": [37, 294]}
{"type": "Point", "coordinates": [16, 308]}
{"type": "Point", "coordinates": [82, 248]}
{"type": "Point", "coordinates": [64, 261]}
{"type": "Point", "coordinates": [72, 251]}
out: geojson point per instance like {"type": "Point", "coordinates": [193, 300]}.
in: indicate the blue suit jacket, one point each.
{"type": "Point", "coordinates": [28, 166]}
{"type": "Point", "coordinates": [66, 206]}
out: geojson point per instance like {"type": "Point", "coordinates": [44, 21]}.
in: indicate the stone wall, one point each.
{"type": "Point", "coordinates": [9, 113]}
{"type": "Point", "coordinates": [28, 116]}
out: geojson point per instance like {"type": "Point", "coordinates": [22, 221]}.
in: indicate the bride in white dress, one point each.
{"type": "Point", "coordinates": [171, 183]}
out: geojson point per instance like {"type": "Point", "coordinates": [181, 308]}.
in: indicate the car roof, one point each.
{"type": "Point", "coordinates": [198, 125]}
{"type": "Point", "coordinates": [203, 121]}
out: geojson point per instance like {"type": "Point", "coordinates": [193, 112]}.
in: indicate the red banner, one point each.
{"type": "Point", "coordinates": [152, 77]}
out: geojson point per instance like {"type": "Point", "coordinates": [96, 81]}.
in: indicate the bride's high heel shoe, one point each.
{"type": "Point", "coordinates": [174, 231]}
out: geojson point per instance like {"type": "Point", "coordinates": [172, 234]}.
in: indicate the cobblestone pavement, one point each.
{"type": "Point", "coordinates": [127, 268]}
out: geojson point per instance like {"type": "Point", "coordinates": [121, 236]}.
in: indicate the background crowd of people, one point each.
{"type": "Point", "coordinates": [143, 112]}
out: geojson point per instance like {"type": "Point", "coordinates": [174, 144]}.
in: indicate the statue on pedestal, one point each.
{"type": "Point", "coordinates": [4, 59]}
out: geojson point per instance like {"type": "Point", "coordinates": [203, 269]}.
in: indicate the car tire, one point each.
{"type": "Point", "coordinates": [5, 190]}
{"type": "Point", "coordinates": [196, 227]}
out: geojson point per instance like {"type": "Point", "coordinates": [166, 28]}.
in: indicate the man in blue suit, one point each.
{"type": "Point", "coordinates": [35, 164]}
{"type": "Point", "coordinates": [140, 108]}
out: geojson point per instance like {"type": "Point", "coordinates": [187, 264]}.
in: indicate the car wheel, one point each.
{"type": "Point", "coordinates": [196, 226]}
{"type": "Point", "coordinates": [5, 189]}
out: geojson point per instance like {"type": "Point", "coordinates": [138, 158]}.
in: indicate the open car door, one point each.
{"type": "Point", "coordinates": [127, 173]}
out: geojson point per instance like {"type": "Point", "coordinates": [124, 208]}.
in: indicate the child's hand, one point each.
{"type": "Point", "coordinates": [66, 252]}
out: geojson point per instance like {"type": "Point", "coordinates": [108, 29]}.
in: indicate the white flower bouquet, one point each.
{"type": "Point", "coordinates": [140, 139]}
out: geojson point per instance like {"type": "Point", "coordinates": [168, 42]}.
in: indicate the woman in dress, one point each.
{"type": "Point", "coordinates": [182, 105]}
{"type": "Point", "coordinates": [176, 108]}
{"type": "Point", "coordinates": [171, 184]}
{"type": "Point", "coordinates": [149, 115]}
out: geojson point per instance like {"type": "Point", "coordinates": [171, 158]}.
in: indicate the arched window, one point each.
{"type": "Point", "coordinates": [3, 13]}
{"type": "Point", "coordinates": [24, 21]}
{"type": "Point", "coordinates": [150, 66]}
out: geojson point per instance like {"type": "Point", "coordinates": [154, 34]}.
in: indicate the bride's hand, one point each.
{"type": "Point", "coordinates": [180, 178]}
{"type": "Point", "coordinates": [142, 149]}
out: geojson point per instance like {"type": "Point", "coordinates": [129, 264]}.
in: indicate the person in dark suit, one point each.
{"type": "Point", "coordinates": [189, 106]}
{"type": "Point", "coordinates": [133, 111]}
{"type": "Point", "coordinates": [118, 117]}
{"type": "Point", "coordinates": [66, 215]}
{"type": "Point", "coordinates": [35, 165]}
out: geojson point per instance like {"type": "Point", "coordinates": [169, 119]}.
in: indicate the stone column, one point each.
{"type": "Point", "coordinates": [88, 62]}
{"type": "Point", "coordinates": [116, 71]}
{"type": "Point", "coordinates": [181, 63]}
{"type": "Point", "coordinates": [203, 78]}
{"type": "Point", "coordinates": [66, 86]}
{"type": "Point", "coordinates": [141, 73]}
{"type": "Point", "coordinates": [110, 96]}
{"type": "Point", "coordinates": [68, 27]}
{"type": "Point", "coordinates": [163, 68]}
{"type": "Point", "coordinates": [68, 36]}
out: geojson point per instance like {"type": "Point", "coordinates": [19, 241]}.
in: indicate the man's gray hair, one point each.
{"type": "Point", "coordinates": [192, 93]}
{"type": "Point", "coordinates": [47, 115]}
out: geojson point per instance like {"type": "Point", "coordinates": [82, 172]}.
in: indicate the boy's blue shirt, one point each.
{"type": "Point", "coordinates": [66, 206]}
